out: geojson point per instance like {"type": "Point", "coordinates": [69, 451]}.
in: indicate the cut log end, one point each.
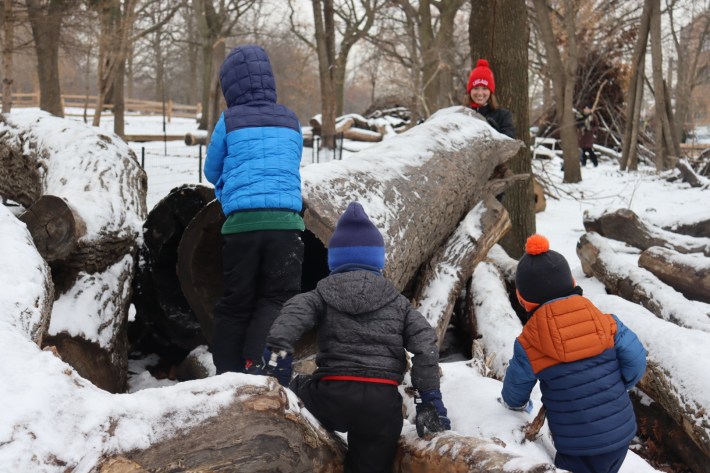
{"type": "Point", "coordinates": [54, 227]}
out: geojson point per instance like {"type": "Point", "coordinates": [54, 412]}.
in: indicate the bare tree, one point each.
{"type": "Point", "coordinates": [8, 22]}
{"type": "Point", "coordinates": [117, 18]}
{"type": "Point", "coordinates": [45, 18]}
{"type": "Point", "coordinates": [499, 31]}
{"type": "Point", "coordinates": [562, 63]}
{"type": "Point", "coordinates": [337, 28]}
{"type": "Point", "coordinates": [215, 22]}
{"type": "Point", "coordinates": [688, 48]}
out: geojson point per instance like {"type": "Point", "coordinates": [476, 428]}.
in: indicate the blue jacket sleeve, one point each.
{"type": "Point", "coordinates": [519, 378]}
{"type": "Point", "coordinates": [631, 354]}
{"type": "Point", "coordinates": [216, 152]}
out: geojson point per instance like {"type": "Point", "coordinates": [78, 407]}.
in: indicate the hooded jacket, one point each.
{"type": "Point", "coordinates": [585, 361]}
{"type": "Point", "coordinates": [364, 327]}
{"type": "Point", "coordinates": [254, 154]}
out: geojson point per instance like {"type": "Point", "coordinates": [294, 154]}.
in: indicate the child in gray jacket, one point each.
{"type": "Point", "coordinates": [364, 328]}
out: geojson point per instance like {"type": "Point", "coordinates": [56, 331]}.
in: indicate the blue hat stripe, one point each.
{"type": "Point", "coordinates": [367, 255]}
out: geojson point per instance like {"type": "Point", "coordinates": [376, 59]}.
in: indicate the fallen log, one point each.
{"type": "Point", "coordinates": [445, 274]}
{"type": "Point", "coordinates": [194, 139]}
{"type": "Point", "coordinates": [262, 429]}
{"type": "Point", "coordinates": [416, 186]}
{"type": "Point", "coordinates": [103, 185]}
{"type": "Point", "coordinates": [160, 302]}
{"type": "Point", "coordinates": [639, 286]}
{"type": "Point", "coordinates": [624, 225]}
{"type": "Point", "coordinates": [687, 274]}
{"type": "Point", "coordinates": [89, 323]}
{"type": "Point", "coordinates": [689, 175]}
{"type": "Point", "coordinates": [458, 454]}
{"type": "Point", "coordinates": [19, 177]}
{"type": "Point", "coordinates": [696, 226]}
{"type": "Point", "coordinates": [54, 226]}
{"type": "Point", "coordinates": [673, 379]}
{"type": "Point", "coordinates": [25, 305]}
{"type": "Point", "coordinates": [359, 134]}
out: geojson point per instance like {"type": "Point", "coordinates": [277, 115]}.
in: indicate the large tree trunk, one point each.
{"type": "Point", "coordinates": [504, 42]}
{"type": "Point", "coordinates": [46, 27]}
{"type": "Point", "coordinates": [323, 13]}
{"type": "Point", "coordinates": [687, 274]}
{"type": "Point", "coordinates": [639, 286]}
{"type": "Point", "coordinates": [624, 225]}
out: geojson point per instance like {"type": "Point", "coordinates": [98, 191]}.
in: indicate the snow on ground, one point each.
{"type": "Point", "coordinates": [59, 421]}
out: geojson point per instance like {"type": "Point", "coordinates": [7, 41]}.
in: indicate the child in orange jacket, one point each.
{"type": "Point", "coordinates": [586, 362]}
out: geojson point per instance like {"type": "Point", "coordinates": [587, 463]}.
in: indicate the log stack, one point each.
{"type": "Point", "coordinates": [85, 198]}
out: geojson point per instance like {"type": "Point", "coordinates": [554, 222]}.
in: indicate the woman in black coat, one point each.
{"type": "Point", "coordinates": [481, 89]}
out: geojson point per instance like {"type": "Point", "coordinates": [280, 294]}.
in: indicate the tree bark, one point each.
{"type": "Point", "coordinates": [665, 154]}
{"type": "Point", "coordinates": [624, 225]}
{"type": "Point", "coordinates": [636, 83]}
{"type": "Point", "coordinates": [323, 13]}
{"type": "Point", "coordinates": [639, 286]}
{"type": "Point", "coordinates": [687, 274]}
{"type": "Point", "coordinates": [46, 22]}
{"type": "Point", "coordinates": [563, 72]}
{"type": "Point", "coordinates": [7, 51]}
{"type": "Point", "coordinates": [504, 41]}
{"type": "Point", "coordinates": [262, 429]}
{"type": "Point", "coordinates": [454, 262]}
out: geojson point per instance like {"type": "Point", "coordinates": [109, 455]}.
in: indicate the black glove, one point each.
{"type": "Point", "coordinates": [492, 123]}
{"type": "Point", "coordinates": [278, 365]}
{"type": "Point", "coordinates": [431, 413]}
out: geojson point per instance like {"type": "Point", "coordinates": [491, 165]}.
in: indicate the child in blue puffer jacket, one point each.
{"type": "Point", "coordinates": [253, 160]}
{"type": "Point", "coordinates": [586, 362]}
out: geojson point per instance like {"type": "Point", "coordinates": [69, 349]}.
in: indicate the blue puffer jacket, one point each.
{"type": "Point", "coordinates": [585, 361]}
{"type": "Point", "coordinates": [254, 155]}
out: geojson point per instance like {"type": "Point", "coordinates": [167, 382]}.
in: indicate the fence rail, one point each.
{"type": "Point", "coordinates": [148, 107]}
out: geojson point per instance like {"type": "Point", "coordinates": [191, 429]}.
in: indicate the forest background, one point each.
{"type": "Point", "coordinates": [333, 57]}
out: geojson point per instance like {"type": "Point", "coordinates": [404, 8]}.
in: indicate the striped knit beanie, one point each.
{"type": "Point", "coordinates": [356, 240]}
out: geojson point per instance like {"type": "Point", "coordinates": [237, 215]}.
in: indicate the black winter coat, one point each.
{"type": "Point", "coordinates": [500, 118]}
{"type": "Point", "coordinates": [364, 327]}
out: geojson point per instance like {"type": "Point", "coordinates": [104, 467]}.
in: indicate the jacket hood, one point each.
{"type": "Point", "coordinates": [246, 76]}
{"type": "Point", "coordinates": [357, 292]}
{"type": "Point", "coordinates": [566, 330]}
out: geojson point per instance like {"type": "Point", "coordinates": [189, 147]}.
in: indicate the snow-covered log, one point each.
{"type": "Point", "coordinates": [695, 225]}
{"type": "Point", "coordinates": [20, 179]}
{"type": "Point", "coordinates": [416, 186]}
{"type": "Point", "coordinates": [689, 176]}
{"type": "Point", "coordinates": [159, 300]}
{"type": "Point", "coordinates": [25, 303]}
{"type": "Point", "coordinates": [89, 322]}
{"type": "Point", "coordinates": [624, 225]}
{"type": "Point", "coordinates": [446, 273]}
{"type": "Point", "coordinates": [675, 369]}
{"type": "Point", "coordinates": [54, 226]}
{"type": "Point", "coordinates": [195, 138]}
{"type": "Point", "coordinates": [360, 134]}
{"type": "Point", "coordinates": [262, 429]}
{"type": "Point", "coordinates": [455, 453]}
{"type": "Point", "coordinates": [96, 174]}
{"type": "Point", "coordinates": [687, 274]}
{"type": "Point", "coordinates": [639, 285]}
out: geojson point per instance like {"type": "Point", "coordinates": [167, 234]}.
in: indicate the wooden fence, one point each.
{"type": "Point", "coordinates": [147, 107]}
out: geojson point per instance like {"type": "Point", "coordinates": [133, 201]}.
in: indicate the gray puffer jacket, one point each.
{"type": "Point", "coordinates": [364, 327]}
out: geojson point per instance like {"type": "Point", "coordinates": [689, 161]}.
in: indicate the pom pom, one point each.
{"type": "Point", "coordinates": [482, 63]}
{"type": "Point", "coordinates": [537, 244]}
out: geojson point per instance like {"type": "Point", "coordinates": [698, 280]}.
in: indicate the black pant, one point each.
{"type": "Point", "coordinates": [262, 270]}
{"type": "Point", "coordinates": [583, 156]}
{"type": "Point", "coordinates": [371, 414]}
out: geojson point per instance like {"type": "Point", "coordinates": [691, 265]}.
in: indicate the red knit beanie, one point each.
{"type": "Point", "coordinates": [481, 75]}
